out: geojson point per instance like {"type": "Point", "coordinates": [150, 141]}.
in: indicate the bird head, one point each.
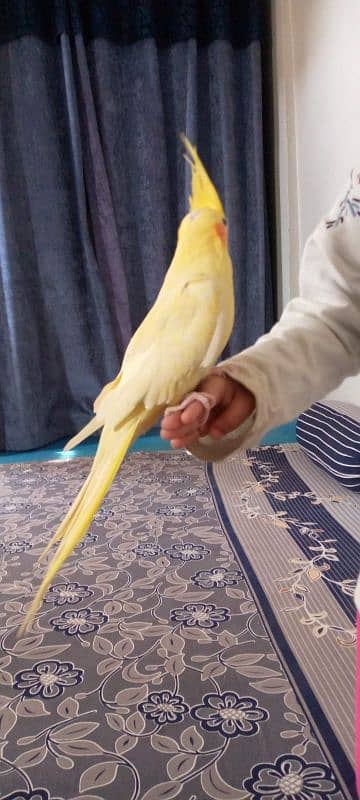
{"type": "Point", "coordinates": [206, 213]}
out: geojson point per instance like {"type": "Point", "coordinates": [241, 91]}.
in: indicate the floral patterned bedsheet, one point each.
{"type": "Point", "coordinates": [191, 646]}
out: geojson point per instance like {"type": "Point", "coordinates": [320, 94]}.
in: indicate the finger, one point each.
{"type": "Point", "coordinates": [233, 415]}
{"type": "Point", "coordinates": [184, 441]}
{"type": "Point", "coordinates": [218, 386]}
{"type": "Point", "coordinates": [180, 423]}
{"type": "Point", "coordinates": [180, 432]}
{"type": "Point", "coordinates": [192, 414]}
{"type": "Point", "coordinates": [171, 422]}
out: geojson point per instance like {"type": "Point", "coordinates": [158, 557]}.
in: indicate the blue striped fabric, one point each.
{"type": "Point", "coordinates": [330, 434]}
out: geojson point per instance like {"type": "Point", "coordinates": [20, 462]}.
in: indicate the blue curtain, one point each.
{"type": "Point", "coordinates": [93, 184]}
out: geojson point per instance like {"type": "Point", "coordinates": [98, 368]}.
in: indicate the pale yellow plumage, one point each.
{"type": "Point", "coordinates": [176, 345]}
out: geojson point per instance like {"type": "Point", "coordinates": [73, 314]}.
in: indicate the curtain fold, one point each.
{"type": "Point", "coordinates": [93, 184]}
{"type": "Point", "coordinates": [129, 21]}
{"type": "Point", "coordinates": [57, 343]}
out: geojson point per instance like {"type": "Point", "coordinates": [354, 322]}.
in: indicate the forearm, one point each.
{"type": "Point", "coordinates": [311, 350]}
{"type": "Point", "coordinates": [286, 372]}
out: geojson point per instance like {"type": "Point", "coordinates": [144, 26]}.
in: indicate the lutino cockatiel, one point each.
{"type": "Point", "coordinates": [176, 345]}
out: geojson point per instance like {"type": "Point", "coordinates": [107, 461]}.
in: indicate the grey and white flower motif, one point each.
{"type": "Point", "coordinates": [81, 621]}
{"type": "Point", "coordinates": [187, 552]}
{"type": "Point", "coordinates": [16, 546]}
{"type": "Point", "coordinates": [48, 679]}
{"type": "Point", "coordinates": [14, 507]}
{"type": "Point", "coordinates": [230, 714]}
{"type": "Point", "coordinates": [200, 615]}
{"type": "Point", "coordinates": [104, 513]}
{"type": "Point", "coordinates": [67, 593]}
{"type": "Point", "coordinates": [291, 778]}
{"type": "Point", "coordinates": [90, 538]}
{"type": "Point", "coordinates": [147, 550]}
{"type": "Point", "coordinates": [164, 707]}
{"type": "Point", "coordinates": [217, 578]}
{"type": "Point", "coordinates": [193, 491]}
{"type": "Point", "coordinates": [176, 477]}
{"type": "Point", "coordinates": [181, 510]}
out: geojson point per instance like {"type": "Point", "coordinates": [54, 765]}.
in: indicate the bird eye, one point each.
{"type": "Point", "coordinates": [224, 221]}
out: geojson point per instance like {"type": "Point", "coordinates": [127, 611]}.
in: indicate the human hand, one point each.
{"type": "Point", "coordinates": [233, 404]}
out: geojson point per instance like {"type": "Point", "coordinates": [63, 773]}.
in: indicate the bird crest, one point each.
{"type": "Point", "coordinates": [203, 192]}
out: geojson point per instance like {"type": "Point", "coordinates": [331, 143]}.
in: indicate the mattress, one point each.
{"type": "Point", "coordinates": [296, 534]}
{"type": "Point", "coordinates": [200, 642]}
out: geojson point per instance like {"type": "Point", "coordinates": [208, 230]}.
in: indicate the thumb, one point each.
{"type": "Point", "coordinates": [234, 413]}
{"type": "Point", "coordinates": [220, 387]}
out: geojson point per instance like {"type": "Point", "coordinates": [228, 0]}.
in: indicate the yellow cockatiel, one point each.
{"type": "Point", "coordinates": [175, 346]}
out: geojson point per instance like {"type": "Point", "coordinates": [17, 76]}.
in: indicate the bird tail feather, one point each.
{"type": "Point", "coordinates": [112, 450]}
{"type": "Point", "coordinates": [94, 425]}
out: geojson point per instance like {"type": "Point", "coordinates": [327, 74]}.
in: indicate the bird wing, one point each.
{"type": "Point", "coordinates": [181, 337]}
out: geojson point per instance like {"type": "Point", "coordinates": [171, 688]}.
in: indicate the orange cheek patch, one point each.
{"type": "Point", "coordinates": [221, 231]}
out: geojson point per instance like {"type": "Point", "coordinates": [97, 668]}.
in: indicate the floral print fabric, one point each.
{"type": "Point", "coordinates": [148, 672]}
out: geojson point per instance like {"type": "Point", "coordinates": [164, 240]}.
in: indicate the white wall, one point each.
{"type": "Point", "coordinates": [317, 99]}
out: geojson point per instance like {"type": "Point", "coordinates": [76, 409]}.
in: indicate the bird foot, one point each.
{"type": "Point", "coordinates": [206, 400]}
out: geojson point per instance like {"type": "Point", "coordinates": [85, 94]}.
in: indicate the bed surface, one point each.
{"type": "Point", "coordinates": [199, 644]}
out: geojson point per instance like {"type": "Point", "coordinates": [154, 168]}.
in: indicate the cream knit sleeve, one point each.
{"type": "Point", "coordinates": [316, 343]}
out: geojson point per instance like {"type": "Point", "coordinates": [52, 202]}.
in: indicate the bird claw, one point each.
{"type": "Point", "coordinates": [206, 400]}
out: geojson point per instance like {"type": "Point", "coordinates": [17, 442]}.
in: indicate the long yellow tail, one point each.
{"type": "Point", "coordinates": [112, 449]}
